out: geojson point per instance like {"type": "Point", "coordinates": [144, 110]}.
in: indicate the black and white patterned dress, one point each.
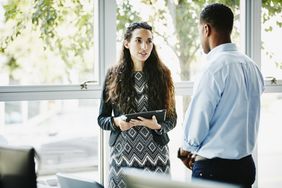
{"type": "Point", "coordinates": [136, 147]}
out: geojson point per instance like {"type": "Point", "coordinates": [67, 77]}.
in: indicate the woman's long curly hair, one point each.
{"type": "Point", "coordinates": [120, 80]}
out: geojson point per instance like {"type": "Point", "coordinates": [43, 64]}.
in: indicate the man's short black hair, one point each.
{"type": "Point", "coordinates": [218, 16]}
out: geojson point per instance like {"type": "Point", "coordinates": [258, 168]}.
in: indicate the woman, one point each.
{"type": "Point", "coordinates": [139, 82]}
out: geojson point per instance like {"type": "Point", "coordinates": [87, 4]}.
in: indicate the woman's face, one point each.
{"type": "Point", "coordinates": [140, 45]}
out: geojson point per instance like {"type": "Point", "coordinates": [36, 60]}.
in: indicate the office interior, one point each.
{"type": "Point", "coordinates": [53, 61]}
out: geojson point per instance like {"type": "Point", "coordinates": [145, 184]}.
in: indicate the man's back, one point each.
{"type": "Point", "coordinates": [228, 98]}
{"type": "Point", "coordinates": [241, 85]}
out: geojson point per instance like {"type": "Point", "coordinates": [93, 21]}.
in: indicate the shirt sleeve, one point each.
{"type": "Point", "coordinates": [206, 95]}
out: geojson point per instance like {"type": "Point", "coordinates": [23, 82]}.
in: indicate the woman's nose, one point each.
{"type": "Point", "coordinates": [144, 45]}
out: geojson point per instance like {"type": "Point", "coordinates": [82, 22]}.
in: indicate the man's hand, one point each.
{"type": "Point", "coordinates": [186, 157]}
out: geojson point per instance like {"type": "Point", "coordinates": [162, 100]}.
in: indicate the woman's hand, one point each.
{"type": "Point", "coordinates": [122, 124]}
{"type": "Point", "coordinates": [150, 123]}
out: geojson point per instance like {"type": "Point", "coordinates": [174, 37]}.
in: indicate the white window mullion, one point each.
{"type": "Point", "coordinates": [107, 56]}
{"type": "Point", "coordinates": [251, 40]}
{"type": "Point", "coordinates": [251, 28]}
{"type": "Point", "coordinates": [29, 93]}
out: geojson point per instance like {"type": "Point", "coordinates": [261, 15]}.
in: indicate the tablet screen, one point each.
{"type": "Point", "coordinates": [160, 115]}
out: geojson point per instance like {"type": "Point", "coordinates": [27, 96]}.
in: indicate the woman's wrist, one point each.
{"type": "Point", "coordinates": [159, 131]}
{"type": "Point", "coordinates": [116, 121]}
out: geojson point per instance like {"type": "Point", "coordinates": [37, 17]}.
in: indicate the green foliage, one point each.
{"type": "Point", "coordinates": [49, 15]}
{"type": "Point", "coordinates": [12, 64]}
{"type": "Point", "coordinates": [45, 16]}
{"type": "Point", "coordinates": [125, 15]}
{"type": "Point", "coordinates": [272, 7]}
{"type": "Point", "coordinates": [13, 12]}
{"type": "Point", "coordinates": [65, 27]}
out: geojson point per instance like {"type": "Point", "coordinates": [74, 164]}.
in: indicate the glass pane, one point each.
{"type": "Point", "coordinates": [271, 55]}
{"type": "Point", "coordinates": [47, 42]}
{"type": "Point", "coordinates": [175, 25]}
{"type": "Point", "coordinates": [269, 142]}
{"type": "Point", "coordinates": [64, 133]}
{"type": "Point", "coordinates": [178, 171]}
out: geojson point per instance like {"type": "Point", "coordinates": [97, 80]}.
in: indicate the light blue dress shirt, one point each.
{"type": "Point", "coordinates": [223, 117]}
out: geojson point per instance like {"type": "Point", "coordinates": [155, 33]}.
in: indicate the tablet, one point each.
{"type": "Point", "coordinates": [160, 115]}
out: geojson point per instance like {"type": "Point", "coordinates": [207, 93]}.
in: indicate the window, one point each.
{"type": "Point", "coordinates": [47, 49]}
{"type": "Point", "coordinates": [269, 141]}
{"type": "Point", "coordinates": [47, 42]}
{"type": "Point", "coordinates": [271, 29]}
{"type": "Point", "coordinates": [175, 27]}
{"type": "Point", "coordinates": [269, 152]}
{"type": "Point", "coordinates": [63, 132]}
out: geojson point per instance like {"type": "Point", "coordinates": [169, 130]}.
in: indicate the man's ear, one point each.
{"type": "Point", "coordinates": [125, 43]}
{"type": "Point", "coordinates": [207, 30]}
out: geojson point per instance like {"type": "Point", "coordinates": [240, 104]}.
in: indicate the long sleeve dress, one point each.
{"type": "Point", "coordinates": [136, 147]}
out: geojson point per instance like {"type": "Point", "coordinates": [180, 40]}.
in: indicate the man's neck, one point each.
{"type": "Point", "coordinates": [217, 40]}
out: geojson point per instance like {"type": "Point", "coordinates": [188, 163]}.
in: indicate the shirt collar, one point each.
{"type": "Point", "coordinates": [221, 48]}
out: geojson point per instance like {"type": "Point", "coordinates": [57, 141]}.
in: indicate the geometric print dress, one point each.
{"type": "Point", "coordinates": [135, 148]}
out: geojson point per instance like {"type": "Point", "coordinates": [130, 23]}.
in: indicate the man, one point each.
{"type": "Point", "coordinates": [221, 122]}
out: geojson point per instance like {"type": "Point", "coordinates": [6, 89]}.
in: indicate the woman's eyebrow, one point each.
{"type": "Point", "coordinates": [149, 38]}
